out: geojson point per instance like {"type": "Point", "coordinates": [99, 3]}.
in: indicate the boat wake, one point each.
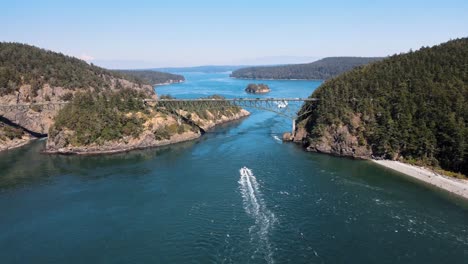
{"type": "Point", "coordinates": [255, 207]}
{"type": "Point", "coordinates": [275, 137]}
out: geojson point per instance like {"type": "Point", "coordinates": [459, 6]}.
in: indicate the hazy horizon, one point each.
{"type": "Point", "coordinates": [155, 34]}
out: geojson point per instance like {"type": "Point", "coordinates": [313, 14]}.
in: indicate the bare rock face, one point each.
{"type": "Point", "coordinates": [300, 134]}
{"type": "Point", "coordinates": [337, 140]}
{"type": "Point", "coordinates": [287, 136]}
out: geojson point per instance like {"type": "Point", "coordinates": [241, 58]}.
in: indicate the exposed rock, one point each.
{"type": "Point", "coordinates": [257, 88]}
{"type": "Point", "coordinates": [11, 137]}
{"type": "Point", "coordinates": [300, 134]}
{"type": "Point", "coordinates": [337, 140]}
{"type": "Point", "coordinates": [287, 136]}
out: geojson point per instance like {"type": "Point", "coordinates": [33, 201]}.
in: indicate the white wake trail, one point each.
{"type": "Point", "coordinates": [256, 208]}
{"type": "Point", "coordinates": [275, 137]}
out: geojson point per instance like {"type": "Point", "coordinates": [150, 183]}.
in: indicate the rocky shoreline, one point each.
{"type": "Point", "coordinates": [15, 143]}
{"type": "Point", "coordinates": [145, 140]}
{"type": "Point", "coordinates": [349, 148]}
{"type": "Point", "coordinates": [169, 82]}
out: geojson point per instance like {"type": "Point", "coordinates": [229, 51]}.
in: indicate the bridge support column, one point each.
{"type": "Point", "coordinates": [293, 127]}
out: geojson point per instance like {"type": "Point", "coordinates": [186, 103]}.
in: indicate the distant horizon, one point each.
{"type": "Point", "coordinates": [183, 33]}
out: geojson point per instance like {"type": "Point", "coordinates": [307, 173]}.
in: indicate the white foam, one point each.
{"type": "Point", "coordinates": [255, 207]}
{"type": "Point", "coordinates": [275, 137]}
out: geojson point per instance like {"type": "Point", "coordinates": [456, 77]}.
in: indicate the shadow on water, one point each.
{"type": "Point", "coordinates": [27, 165]}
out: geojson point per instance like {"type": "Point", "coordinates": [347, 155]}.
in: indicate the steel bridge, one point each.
{"type": "Point", "coordinates": [287, 107]}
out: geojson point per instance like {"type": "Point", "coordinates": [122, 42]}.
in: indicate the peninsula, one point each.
{"type": "Point", "coordinates": [105, 110]}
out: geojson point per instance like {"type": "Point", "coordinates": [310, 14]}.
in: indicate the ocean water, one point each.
{"type": "Point", "coordinates": [236, 195]}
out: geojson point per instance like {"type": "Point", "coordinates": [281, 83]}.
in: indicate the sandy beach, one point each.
{"type": "Point", "coordinates": [452, 185]}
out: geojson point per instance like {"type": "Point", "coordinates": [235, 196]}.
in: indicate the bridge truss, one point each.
{"type": "Point", "coordinates": [287, 107]}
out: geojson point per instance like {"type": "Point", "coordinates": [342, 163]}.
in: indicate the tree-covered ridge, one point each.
{"type": "Point", "coordinates": [412, 107]}
{"type": "Point", "coordinates": [318, 70]}
{"type": "Point", "coordinates": [22, 64]}
{"type": "Point", "coordinates": [97, 118]}
{"type": "Point", "coordinates": [153, 77]}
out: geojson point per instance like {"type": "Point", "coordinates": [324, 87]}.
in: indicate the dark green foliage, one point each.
{"type": "Point", "coordinates": [24, 64]}
{"type": "Point", "coordinates": [100, 118]}
{"type": "Point", "coordinates": [413, 106]}
{"type": "Point", "coordinates": [67, 97]}
{"type": "Point", "coordinates": [153, 77]}
{"type": "Point", "coordinates": [319, 70]}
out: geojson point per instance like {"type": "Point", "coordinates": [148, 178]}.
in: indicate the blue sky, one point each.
{"type": "Point", "coordinates": [140, 34]}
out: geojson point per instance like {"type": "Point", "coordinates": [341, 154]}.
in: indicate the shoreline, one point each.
{"type": "Point", "coordinates": [168, 83]}
{"type": "Point", "coordinates": [454, 186]}
{"type": "Point", "coordinates": [17, 144]}
{"type": "Point", "coordinates": [90, 151]}
{"type": "Point", "coordinates": [264, 79]}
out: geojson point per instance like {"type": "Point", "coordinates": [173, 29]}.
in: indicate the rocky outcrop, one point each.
{"type": "Point", "coordinates": [6, 143]}
{"type": "Point", "coordinates": [12, 137]}
{"type": "Point", "coordinates": [257, 88]}
{"type": "Point", "coordinates": [337, 140]}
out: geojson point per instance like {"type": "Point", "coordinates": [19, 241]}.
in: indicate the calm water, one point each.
{"type": "Point", "coordinates": [196, 203]}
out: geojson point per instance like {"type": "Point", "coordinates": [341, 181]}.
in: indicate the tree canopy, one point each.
{"type": "Point", "coordinates": [318, 70]}
{"type": "Point", "coordinates": [412, 106]}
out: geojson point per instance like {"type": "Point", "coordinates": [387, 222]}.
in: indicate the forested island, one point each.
{"type": "Point", "coordinates": [257, 88]}
{"type": "Point", "coordinates": [105, 113]}
{"type": "Point", "coordinates": [154, 77]}
{"type": "Point", "coordinates": [410, 107]}
{"type": "Point", "coordinates": [319, 70]}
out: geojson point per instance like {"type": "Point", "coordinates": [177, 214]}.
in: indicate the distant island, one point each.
{"type": "Point", "coordinates": [154, 77]}
{"type": "Point", "coordinates": [204, 69]}
{"type": "Point", "coordinates": [257, 88]}
{"type": "Point", "coordinates": [319, 70]}
{"type": "Point", "coordinates": [409, 107]}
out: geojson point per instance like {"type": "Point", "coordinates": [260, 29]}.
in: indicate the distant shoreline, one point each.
{"type": "Point", "coordinates": [168, 83]}
{"type": "Point", "coordinates": [455, 186]}
{"type": "Point", "coordinates": [261, 79]}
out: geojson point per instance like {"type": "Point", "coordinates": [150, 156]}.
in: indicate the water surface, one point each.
{"type": "Point", "coordinates": [236, 195]}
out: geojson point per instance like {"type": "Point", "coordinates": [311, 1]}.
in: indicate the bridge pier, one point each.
{"type": "Point", "coordinates": [293, 127]}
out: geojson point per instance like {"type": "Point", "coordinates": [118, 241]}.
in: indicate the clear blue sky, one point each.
{"type": "Point", "coordinates": [199, 32]}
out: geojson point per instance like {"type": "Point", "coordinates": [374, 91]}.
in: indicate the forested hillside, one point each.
{"type": "Point", "coordinates": [22, 64]}
{"type": "Point", "coordinates": [411, 107]}
{"type": "Point", "coordinates": [33, 75]}
{"type": "Point", "coordinates": [154, 77]}
{"type": "Point", "coordinates": [318, 70]}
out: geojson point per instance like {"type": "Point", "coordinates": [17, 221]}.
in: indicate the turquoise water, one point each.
{"type": "Point", "coordinates": [196, 203]}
